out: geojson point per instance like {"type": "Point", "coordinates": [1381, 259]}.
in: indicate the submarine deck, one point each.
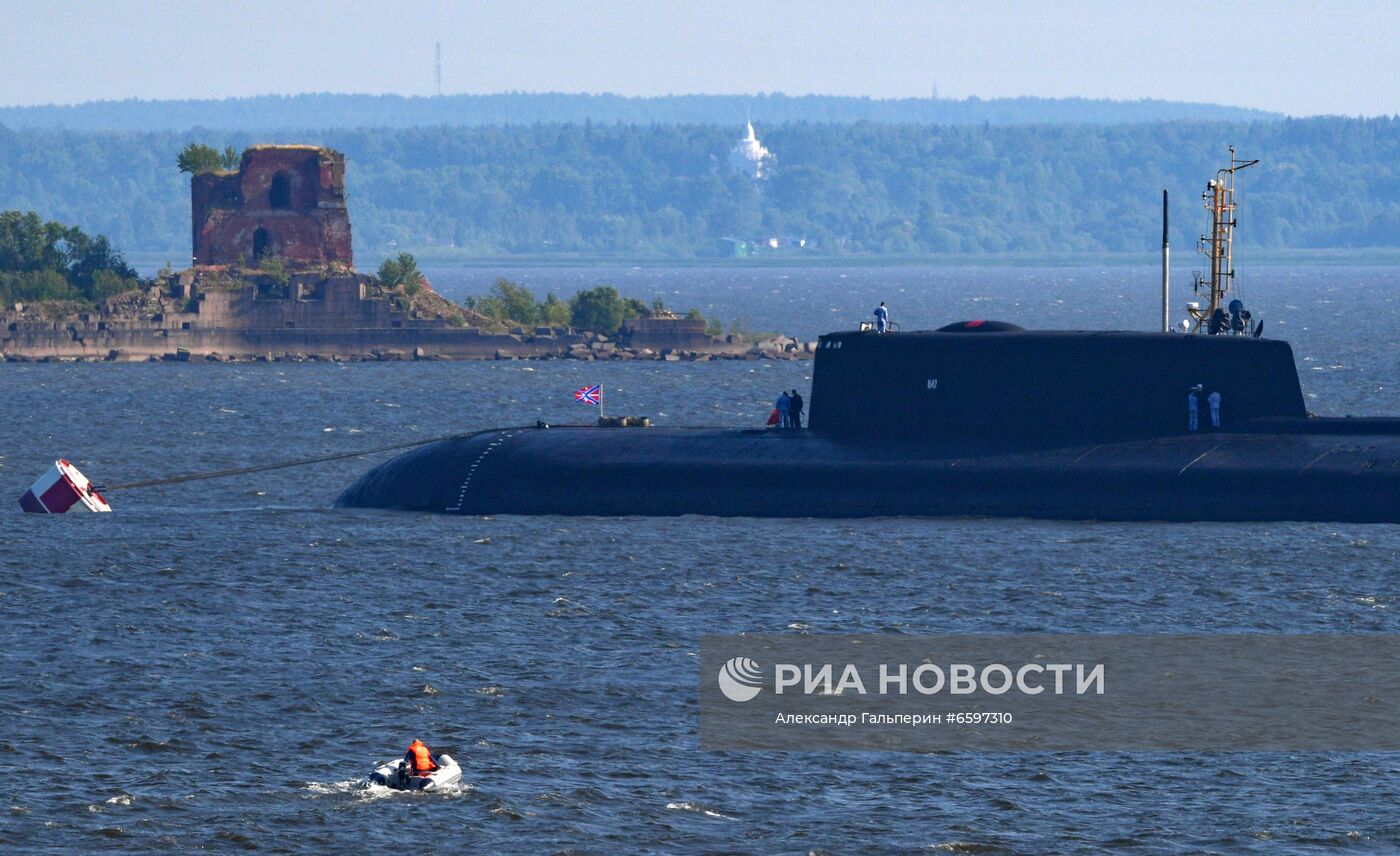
{"type": "Point", "coordinates": [1302, 469]}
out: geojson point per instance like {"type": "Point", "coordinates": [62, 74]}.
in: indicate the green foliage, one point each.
{"type": "Point", "coordinates": [744, 331]}
{"type": "Point", "coordinates": [694, 314]}
{"type": "Point", "coordinates": [600, 309]}
{"type": "Point", "coordinates": [29, 244]}
{"type": "Point", "coordinates": [402, 271]}
{"type": "Point", "coordinates": [516, 303]}
{"type": "Point", "coordinates": [275, 269]}
{"type": "Point", "coordinates": [508, 303]}
{"type": "Point", "coordinates": [488, 307]}
{"type": "Point", "coordinates": [860, 188]}
{"type": "Point", "coordinates": [35, 285]}
{"type": "Point", "coordinates": [555, 312]}
{"type": "Point", "coordinates": [231, 158]}
{"type": "Point", "coordinates": [107, 283]}
{"type": "Point", "coordinates": [715, 327]}
{"type": "Point", "coordinates": [50, 261]}
{"type": "Point", "coordinates": [197, 157]}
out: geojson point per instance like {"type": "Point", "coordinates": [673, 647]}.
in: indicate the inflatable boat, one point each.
{"type": "Point", "coordinates": [397, 776]}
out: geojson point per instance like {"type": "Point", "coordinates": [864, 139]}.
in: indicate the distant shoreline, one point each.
{"type": "Point", "coordinates": [1183, 259]}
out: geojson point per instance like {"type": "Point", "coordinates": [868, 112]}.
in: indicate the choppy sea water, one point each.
{"type": "Point", "coordinates": [219, 664]}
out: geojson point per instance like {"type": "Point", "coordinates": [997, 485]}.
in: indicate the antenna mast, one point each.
{"type": "Point", "coordinates": [437, 67]}
{"type": "Point", "coordinates": [1166, 269]}
{"type": "Point", "coordinates": [1217, 247]}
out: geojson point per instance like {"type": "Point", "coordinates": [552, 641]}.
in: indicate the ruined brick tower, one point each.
{"type": "Point", "coordinates": [284, 201]}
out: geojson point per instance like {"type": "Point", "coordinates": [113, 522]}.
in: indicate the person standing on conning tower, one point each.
{"type": "Point", "coordinates": [882, 318]}
{"type": "Point", "coordinates": [783, 405]}
{"type": "Point", "coordinates": [1214, 400]}
{"type": "Point", "coordinates": [1193, 408]}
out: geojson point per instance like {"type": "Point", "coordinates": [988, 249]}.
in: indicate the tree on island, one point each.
{"type": "Point", "coordinates": [51, 261]}
{"type": "Point", "coordinates": [555, 312]}
{"type": "Point", "coordinates": [402, 271]}
{"type": "Point", "coordinates": [508, 303]}
{"type": "Point", "coordinates": [197, 158]}
{"type": "Point", "coordinates": [599, 309]}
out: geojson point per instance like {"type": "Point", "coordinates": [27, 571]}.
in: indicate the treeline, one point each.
{"type": "Point", "coordinates": [600, 310]}
{"type": "Point", "coordinates": [325, 110]}
{"type": "Point", "coordinates": [667, 190]}
{"type": "Point", "coordinates": [50, 261]}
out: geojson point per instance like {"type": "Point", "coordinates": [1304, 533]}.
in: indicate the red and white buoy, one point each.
{"type": "Point", "coordinates": [62, 489]}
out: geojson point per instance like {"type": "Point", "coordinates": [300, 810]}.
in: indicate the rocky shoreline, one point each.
{"type": "Point", "coordinates": [218, 315]}
{"type": "Point", "coordinates": [380, 346]}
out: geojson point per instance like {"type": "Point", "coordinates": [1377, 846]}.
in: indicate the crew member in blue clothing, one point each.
{"type": "Point", "coordinates": [783, 405]}
{"type": "Point", "coordinates": [882, 318]}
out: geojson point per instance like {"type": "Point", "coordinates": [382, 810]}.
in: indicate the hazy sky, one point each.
{"type": "Point", "coordinates": [1295, 57]}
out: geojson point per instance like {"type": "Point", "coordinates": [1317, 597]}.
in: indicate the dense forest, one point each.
{"type": "Point", "coordinates": [324, 110]}
{"type": "Point", "coordinates": [668, 190]}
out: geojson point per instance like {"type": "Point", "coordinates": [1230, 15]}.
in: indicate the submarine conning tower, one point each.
{"type": "Point", "coordinates": [994, 382]}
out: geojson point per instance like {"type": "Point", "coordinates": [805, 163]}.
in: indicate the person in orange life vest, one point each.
{"type": "Point", "coordinates": [419, 760]}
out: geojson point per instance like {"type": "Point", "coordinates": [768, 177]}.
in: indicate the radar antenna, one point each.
{"type": "Point", "coordinates": [1219, 198]}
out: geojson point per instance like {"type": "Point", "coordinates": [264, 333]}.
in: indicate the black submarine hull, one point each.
{"type": "Point", "coordinates": [978, 418]}
{"type": "Point", "coordinates": [1302, 469]}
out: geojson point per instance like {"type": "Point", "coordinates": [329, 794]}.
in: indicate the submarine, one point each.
{"type": "Point", "coordinates": [976, 418]}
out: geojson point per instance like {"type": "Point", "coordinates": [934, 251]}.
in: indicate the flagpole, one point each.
{"type": "Point", "coordinates": [600, 402]}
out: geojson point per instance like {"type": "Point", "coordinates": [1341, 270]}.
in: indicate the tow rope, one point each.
{"type": "Point", "coordinates": [63, 487]}
{"type": "Point", "coordinates": [299, 462]}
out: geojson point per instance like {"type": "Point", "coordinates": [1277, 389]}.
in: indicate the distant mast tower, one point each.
{"type": "Point", "coordinates": [437, 68]}
{"type": "Point", "coordinates": [1217, 247]}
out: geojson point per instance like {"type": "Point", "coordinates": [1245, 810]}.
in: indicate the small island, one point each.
{"type": "Point", "coordinates": [273, 278]}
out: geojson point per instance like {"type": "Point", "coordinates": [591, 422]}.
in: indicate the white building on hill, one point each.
{"type": "Point", "coordinates": [749, 156]}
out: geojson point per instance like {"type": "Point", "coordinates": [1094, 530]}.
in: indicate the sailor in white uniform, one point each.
{"type": "Point", "coordinates": [882, 318]}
